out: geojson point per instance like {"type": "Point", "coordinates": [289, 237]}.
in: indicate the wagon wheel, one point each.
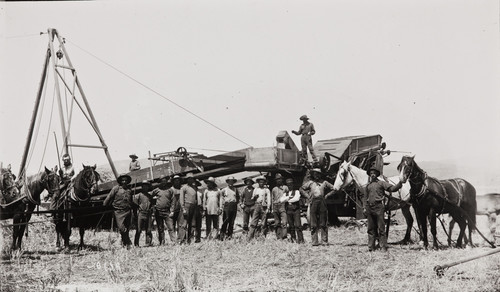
{"type": "Point", "coordinates": [182, 151]}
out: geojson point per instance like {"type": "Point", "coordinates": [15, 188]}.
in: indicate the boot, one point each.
{"type": "Point", "coordinates": [300, 236]}
{"type": "Point", "coordinates": [371, 243]}
{"type": "Point", "coordinates": [324, 235]}
{"type": "Point", "coordinates": [383, 243]}
{"type": "Point", "coordinates": [314, 237]}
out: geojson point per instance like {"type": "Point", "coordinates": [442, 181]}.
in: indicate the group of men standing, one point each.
{"type": "Point", "coordinates": [179, 205]}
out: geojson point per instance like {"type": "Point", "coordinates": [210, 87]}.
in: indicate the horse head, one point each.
{"type": "Point", "coordinates": [406, 167]}
{"type": "Point", "coordinates": [7, 179]}
{"type": "Point", "coordinates": [89, 178]}
{"type": "Point", "coordinates": [344, 177]}
{"type": "Point", "coordinates": [51, 181]}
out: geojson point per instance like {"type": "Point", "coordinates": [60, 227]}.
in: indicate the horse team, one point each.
{"type": "Point", "coordinates": [429, 197]}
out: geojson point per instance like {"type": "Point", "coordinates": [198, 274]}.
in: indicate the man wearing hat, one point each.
{"type": "Point", "coordinates": [229, 202]}
{"type": "Point", "coordinates": [198, 213]}
{"type": "Point", "coordinates": [262, 197]}
{"type": "Point", "coordinates": [306, 130]}
{"type": "Point", "coordinates": [278, 207]}
{"type": "Point", "coordinates": [212, 207]}
{"type": "Point", "coordinates": [247, 203]}
{"type": "Point", "coordinates": [373, 207]}
{"type": "Point", "coordinates": [120, 198]}
{"type": "Point", "coordinates": [316, 188]}
{"type": "Point", "coordinates": [175, 209]}
{"type": "Point", "coordinates": [134, 164]}
{"type": "Point", "coordinates": [293, 212]}
{"type": "Point", "coordinates": [144, 203]}
{"type": "Point", "coordinates": [164, 199]}
{"type": "Point", "coordinates": [188, 200]}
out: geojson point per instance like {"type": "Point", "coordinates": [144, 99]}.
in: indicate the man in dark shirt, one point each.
{"type": "Point", "coordinates": [373, 207]}
{"type": "Point", "coordinates": [247, 204]}
{"type": "Point", "coordinates": [175, 209]}
{"type": "Point", "coordinates": [121, 199]}
{"type": "Point", "coordinates": [144, 202]}
{"type": "Point", "coordinates": [164, 199]}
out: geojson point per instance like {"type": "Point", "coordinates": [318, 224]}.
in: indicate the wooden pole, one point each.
{"type": "Point", "coordinates": [35, 111]}
{"type": "Point", "coordinates": [94, 123]}
{"type": "Point", "coordinates": [52, 33]}
{"type": "Point", "coordinates": [440, 269]}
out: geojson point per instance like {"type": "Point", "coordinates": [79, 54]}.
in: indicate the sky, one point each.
{"type": "Point", "coordinates": [423, 74]}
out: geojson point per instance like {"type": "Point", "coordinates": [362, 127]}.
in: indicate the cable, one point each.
{"type": "Point", "coordinates": [48, 133]}
{"type": "Point", "coordinates": [22, 36]}
{"type": "Point", "coordinates": [39, 119]}
{"type": "Point", "coordinates": [159, 94]}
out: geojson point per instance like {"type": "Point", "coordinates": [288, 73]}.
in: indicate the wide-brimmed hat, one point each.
{"type": "Point", "coordinates": [303, 118]}
{"type": "Point", "coordinates": [66, 156]}
{"type": "Point", "coordinates": [126, 176]}
{"type": "Point", "coordinates": [248, 179]}
{"type": "Point", "coordinates": [231, 178]}
{"type": "Point", "coordinates": [278, 176]}
{"type": "Point", "coordinates": [176, 177]}
{"type": "Point", "coordinates": [167, 179]}
{"type": "Point", "coordinates": [373, 168]}
{"type": "Point", "coordinates": [210, 180]}
{"type": "Point", "coordinates": [133, 156]}
{"type": "Point", "coordinates": [260, 178]}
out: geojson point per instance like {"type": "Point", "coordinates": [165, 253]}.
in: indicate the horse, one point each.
{"type": "Point", "coordinates": [487, 205]}
{"type": "Point", "coordinates": [76, 197]}
{"type": "Point", "coordinates": [432, 197]}
{"type": "Point", "coordinates": [21, 203]}
{"type": "Point", "coordinates": [349, 173]}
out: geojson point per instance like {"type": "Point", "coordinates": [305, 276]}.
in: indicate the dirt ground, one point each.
{"type": "Point", "coordinates": [264, 264]}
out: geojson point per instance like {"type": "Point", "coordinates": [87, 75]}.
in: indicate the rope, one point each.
{"type": "Point", "coordinates": [159, 94]}
{"type": "Point", "coordinates": [39, 117]}
{"type": "Point", "coordinates": [22, 36]}
{"type": "Point", "coordinates": [48, 133]}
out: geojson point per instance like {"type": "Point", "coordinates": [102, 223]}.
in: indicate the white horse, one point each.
{"type": "Point", "coordinates": [487, 205]}
{"type": "Point", "coordinates": [349, 173]}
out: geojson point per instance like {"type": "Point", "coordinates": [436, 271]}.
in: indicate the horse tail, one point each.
{"type": "Point", "coordinates": [470, 199]}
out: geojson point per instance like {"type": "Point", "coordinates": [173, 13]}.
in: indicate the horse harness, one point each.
{"type": "Point", "coordinates": [425, 188]}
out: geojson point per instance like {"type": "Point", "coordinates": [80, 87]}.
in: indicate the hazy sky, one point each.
{"type": "Point", "coordinates": [423, 74]}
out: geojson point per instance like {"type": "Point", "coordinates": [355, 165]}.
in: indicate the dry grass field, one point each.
{"type": "Point", "coordinates": [236, 265]}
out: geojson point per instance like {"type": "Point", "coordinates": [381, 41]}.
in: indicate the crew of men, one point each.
{"type": "Point", "coordinates": [179, 204]}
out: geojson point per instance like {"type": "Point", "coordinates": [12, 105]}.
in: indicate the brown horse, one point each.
{"type": "Point", "coordinates": [75, 197]}
{"type": "Point", "coordinates": [21, 203]}
{"type": "Point", "coordinates": [432, 197]}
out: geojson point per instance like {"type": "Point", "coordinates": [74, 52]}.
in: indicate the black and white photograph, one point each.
{"type": "Point", "coordinates": [250, 145]}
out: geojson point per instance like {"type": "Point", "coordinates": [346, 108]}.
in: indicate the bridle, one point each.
{"type": "Point", "coordinates": [416, 178]}
{"type": "Point", "coordinates": [52, 176]}
{"type": "Point", "coordinates": [89, 181]}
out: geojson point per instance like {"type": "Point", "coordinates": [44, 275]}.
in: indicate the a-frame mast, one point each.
{"type": "Point", "coordinates": [51, 55]}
